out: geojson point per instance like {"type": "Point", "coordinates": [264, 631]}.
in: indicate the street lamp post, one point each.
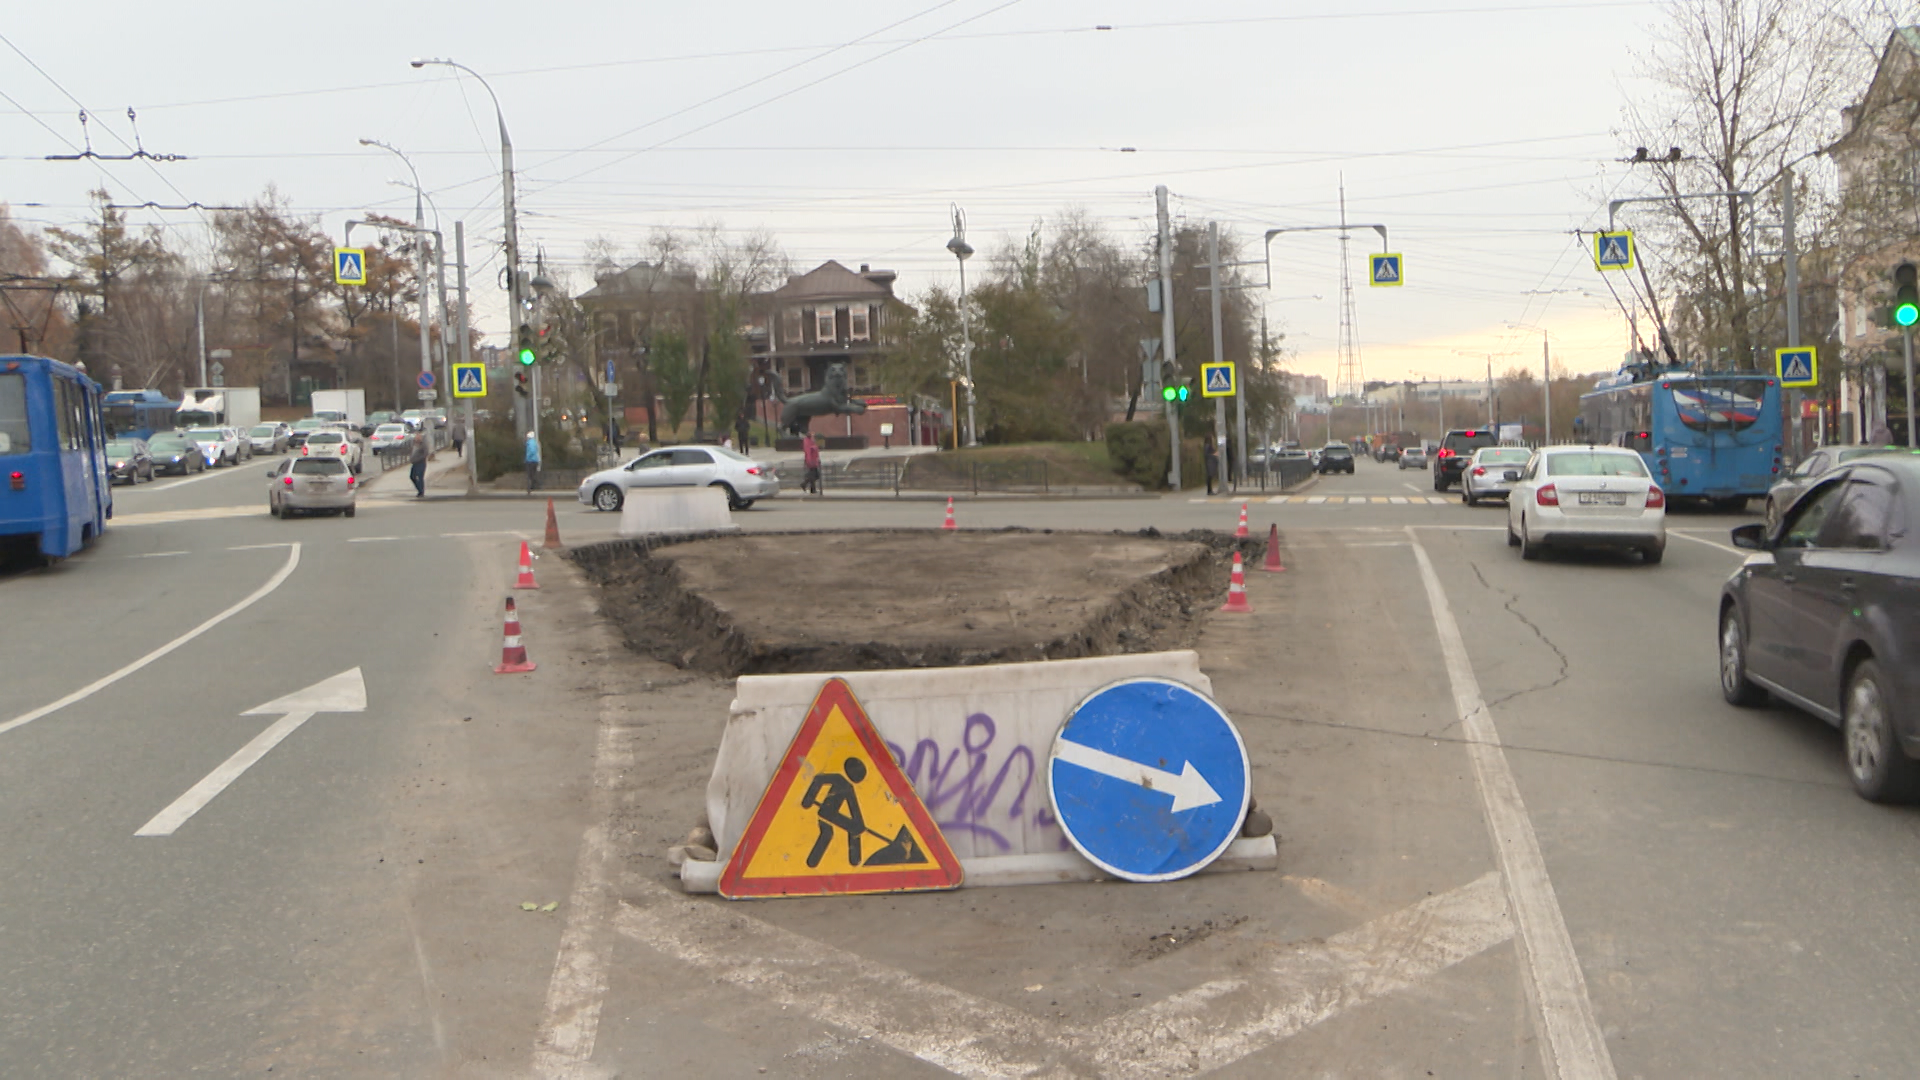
{"type": "Point", "coordinates": [419, 247]}
{"type": "Point", "coordinates": [516, 312]}
{"type": "Point", "coordinates": [200, 316]}
{"type": "Point", "coordinates": [962, 251]}
{"type": "Point", "coordinates": [1546, 388]}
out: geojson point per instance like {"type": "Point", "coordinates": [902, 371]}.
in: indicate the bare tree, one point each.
{"type": "Point", "coordinates": [1742, 88]}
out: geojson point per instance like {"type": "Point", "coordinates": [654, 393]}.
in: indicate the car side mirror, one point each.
{"type": "Point", "coordinates": [1751, 537]}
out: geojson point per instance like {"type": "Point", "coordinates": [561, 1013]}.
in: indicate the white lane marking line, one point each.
{"type": "Point", "coordinates": [215, 782]}
{"type": "Point", "coordinates": [1576, 1049]}
{"type": "Point", "coordinates": [1710, 543]}
{"type": "Point", "coordinates": [1315, 500]}
{"type": "Point", "coordinates": [94, 687]}
{"type": "Point", "coordinates": [570, 1024]}
{"type": "Point", "coordinates": [1279, 500]}
{"type": "Point", "coordinates": [345, 692]}
{"type": "Point", "coordinates": [157, 555]}
{"type": "Point", "coordinates": [1415, 488]}
{"type": "Point", "coordinates": [209, 474]}
{"type": "Point", "coordinates": [263, 547]}
{"type": "Point", "coordinates": [171, 517]}
{"type": "Point", "coordinates": [495, 532]}
{"type": "Point", "coordinates": [1284, 990]}
{"type": "Point", "coordinates": [377, 539]}
{"type": "Point", "coordinates": [1462, 528]}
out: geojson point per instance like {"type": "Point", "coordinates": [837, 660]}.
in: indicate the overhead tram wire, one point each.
{"type": "Point", "coordinates": [803, 86]}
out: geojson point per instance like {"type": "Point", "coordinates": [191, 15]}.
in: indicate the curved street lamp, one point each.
{"type": "Point", "coordinates": [419, 247]}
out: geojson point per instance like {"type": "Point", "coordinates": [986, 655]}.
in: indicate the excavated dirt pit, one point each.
{"type": "Point", "coordinates": [846, 601]}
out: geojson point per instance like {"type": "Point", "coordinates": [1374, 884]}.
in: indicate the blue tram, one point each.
{"type": "Point", "coordinates": [54, 492]}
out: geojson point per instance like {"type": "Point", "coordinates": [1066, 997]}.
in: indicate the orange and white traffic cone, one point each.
{"type": "Point", "coordinates": [1272, 564]}
{"type": "Point", "coordinates": [1237, 588]}
{"type": "Point", "coordinates": [949, 525]}
{"type": "Point", "coordinates": [526, 568]}
{"type": "Point", "coordinates": [1241, 532]}
{"type": "Point", "coordinates": [513, 655]}
{"type": "Point", "coordinates": [552, 541]}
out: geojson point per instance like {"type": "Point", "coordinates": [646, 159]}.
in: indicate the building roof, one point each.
{"type": "Point", "coordinates": [636, 280]}
{"type": "Point", "coordinates": [832, 281]}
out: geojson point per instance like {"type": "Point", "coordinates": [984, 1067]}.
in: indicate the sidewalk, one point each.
{"type": "Point", "coordinates": [446, 479]}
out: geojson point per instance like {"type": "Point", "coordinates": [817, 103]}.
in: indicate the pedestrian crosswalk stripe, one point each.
{"type": "Point", "coordinates": [1316, 499]}
{"type": "Point", "coordinates": [1397, 499]}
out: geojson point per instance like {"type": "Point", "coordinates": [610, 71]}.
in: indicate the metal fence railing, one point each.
{"type": "Point", "coordinates": [397, 456]}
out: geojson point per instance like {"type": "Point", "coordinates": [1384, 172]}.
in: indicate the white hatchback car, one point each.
{"type": "Point", "coordinates": [332, 442]}
{"type": "Point", "coordinates": [219, 445]}
{"type": "Point", "coordinates": [1587, 496]}
{"type": "Point", "coordinates": [741, 478]}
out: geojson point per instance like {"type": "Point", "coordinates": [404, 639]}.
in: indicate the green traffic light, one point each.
{"type": "Point", "coordinates": [526, 356]}
{"type": "Point", "coordinates": [1906, 314]}
{"type": "Point", "coordinates": [1167, 392]}
{"type": "Point", "coordinates": [1185, 393]}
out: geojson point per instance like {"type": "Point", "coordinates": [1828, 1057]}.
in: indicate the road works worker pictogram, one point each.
{"type": "Point", "coordinates": [838, 817]}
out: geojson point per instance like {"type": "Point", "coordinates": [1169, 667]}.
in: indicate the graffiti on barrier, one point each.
{"type": "Point", "coordinates": [982, 791]}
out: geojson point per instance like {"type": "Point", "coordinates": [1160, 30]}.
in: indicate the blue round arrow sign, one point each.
{"type": "Point", "coordinates": [1149, 779]}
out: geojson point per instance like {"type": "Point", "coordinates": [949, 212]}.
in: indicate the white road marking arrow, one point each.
{"type": "Point", "coordinates": [345, 692]}
{"type": "Point", "coordinates": [1189, 789]}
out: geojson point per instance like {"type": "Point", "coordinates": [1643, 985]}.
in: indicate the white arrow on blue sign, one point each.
{"type": "Point", "coordinates": [1149, 779]}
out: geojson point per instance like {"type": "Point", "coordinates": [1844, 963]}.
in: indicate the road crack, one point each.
{"type": "Point", "coordinates": [1508, 602]}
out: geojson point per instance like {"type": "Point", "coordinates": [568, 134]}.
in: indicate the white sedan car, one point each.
{"type": "Point", "coordinates": [1492, 472]}
{"type": "Point", "coordinates": [1587, 496]}
{"type": "Point", "coordinates": [389, 437]}
{"type": "Point", "coordinates": [741, 478]}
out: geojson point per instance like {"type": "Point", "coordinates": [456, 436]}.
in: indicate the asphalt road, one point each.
{"type": "Point", "coordinates": [1707, 897]}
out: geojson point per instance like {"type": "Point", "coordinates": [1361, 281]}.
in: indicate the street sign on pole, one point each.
{"type": "Point", "coordinates": [469, 380]}
{"type": "Point", "coordinates": [1149, 779]}
{"type": "Point", "coordinates": [611, 374]}
{"type": "Point", "coordinates": [1217, 380]}
{"type": "Point", "coordinates": [350, 266]}
{"type": "Point", "coordinates": [1384, 270]}
{"type": "Point", "coordinates": [1613, 250]}
{"type": "Point", "coordinates": [429, 395]}
{"type": "Point", "coordinates": [1797, 367]}
{"type": "Point", "coordinates": [425, 380]}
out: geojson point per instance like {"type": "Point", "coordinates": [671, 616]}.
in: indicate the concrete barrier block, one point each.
{"type": "Point", "coordinates": [973, 741]}
{"type": "Point", "coordinates": [669, 511]}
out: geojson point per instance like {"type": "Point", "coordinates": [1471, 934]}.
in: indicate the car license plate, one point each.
{"type": "Point", "coordinates": [1602, 498]}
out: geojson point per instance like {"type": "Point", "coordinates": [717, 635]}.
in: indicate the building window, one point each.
{"type": "Point", "coordinates": [797, 378]}
{"type": "Point", "coordinates": [790, 326]}
{"type": "Point", "coordinates": [860, 376]}
{"type": "Point", "coordinates": [857, 323]}
{"type": "Point", "coordinates": [823, 328]}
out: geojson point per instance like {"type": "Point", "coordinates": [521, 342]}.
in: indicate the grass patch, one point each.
{"type": "Point", "coordinates": [1067, 464]}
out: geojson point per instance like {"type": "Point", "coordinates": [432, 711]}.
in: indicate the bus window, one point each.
{"type": "Point", "coordinates": [15, 434]}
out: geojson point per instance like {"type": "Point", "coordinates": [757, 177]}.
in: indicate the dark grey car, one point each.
{"type": "Point", "coordinates": [127, 459]}
{"type": "Point", "coordinates": [1826, 616]}
{"type": "Point", "coordinates": [174, 452]}
{"type": "Point", "coordinates": [1811, 468]}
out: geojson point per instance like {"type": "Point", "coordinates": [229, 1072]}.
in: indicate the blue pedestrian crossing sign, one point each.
{"type": "Point", "coordinates": [1149, 779]}
{"type": "Point", "coordinates": [1384, 270]}
{"type": "Point", "coordinates": [469, 380]}
{"type": "Point", "coordinates": [1217, 380]}
{"type": "Point", "coordinates": [350, 266]}
{"type": "Point", "coordinates": [1797, 366]}
{"type": "Point", "coordinates": [1613, 250]}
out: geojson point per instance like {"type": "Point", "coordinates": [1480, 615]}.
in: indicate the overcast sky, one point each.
{"type": "Point", "coordinates": [1480, 133]}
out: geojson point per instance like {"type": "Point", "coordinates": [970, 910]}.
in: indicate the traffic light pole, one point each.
{"type": "Point", "coordinates": [1913, 430]}
{"type": "Point", "coordinates": [1219, 342]}
{"type": "Point", "coordinates": [1166, 326]}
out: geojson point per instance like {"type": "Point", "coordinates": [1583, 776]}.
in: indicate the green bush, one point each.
{"type": "Point", "coordinates": [1138, 452]}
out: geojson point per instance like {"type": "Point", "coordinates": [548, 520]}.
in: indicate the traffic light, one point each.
{"type": "Point", "coordinates": [520, 383]}
{"type": "Point", "coordinates": [525, 351]}
{"type": "Point", "coordinates": [1906, 295]}
{"type": "Point", "coordinates": [1176, 393]}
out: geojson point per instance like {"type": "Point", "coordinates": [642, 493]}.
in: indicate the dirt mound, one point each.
{"type": "Point", "coordinates": [847, 601]}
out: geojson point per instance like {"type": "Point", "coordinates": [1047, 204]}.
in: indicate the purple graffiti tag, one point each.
{"type": "Point", "coordinates": [962, 798]}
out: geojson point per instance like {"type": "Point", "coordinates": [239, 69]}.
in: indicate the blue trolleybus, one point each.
{"type": "Point", "coordinates": [54, 495]}
{"type": "Point", "coordinates": [1712, 437]}
{"type": "Point", "coordinates": [138, 414]}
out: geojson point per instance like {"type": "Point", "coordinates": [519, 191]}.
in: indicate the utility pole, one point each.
{"type": "Point", "coordinates": [1166, 325]}
{"type": "Point", "coordinates": [1219, 335]}
{"type": "Point", "coordinates": [1792, 271]}
{"type": "Point", "coordinates": [1913, 429]}
{"type": "Point", "coordinates": [460, 318]}
{"type": "Point", "coordinates": [1546, 393]}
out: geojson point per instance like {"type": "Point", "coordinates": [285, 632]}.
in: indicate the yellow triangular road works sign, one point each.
{"type": "Point", "coordinates": [839, 817]}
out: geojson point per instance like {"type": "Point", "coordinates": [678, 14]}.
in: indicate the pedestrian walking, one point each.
{"type": "Point", "coordinates": [459, 435]}
{"type": "Point", "coordinates": [418, 456]}
{"type": "Point", "coordinates": [810, 456]}
{"type": "Point", "coordinates": [533, 462]}
{"type": "Point", "coordinates": [617, 437]}
{"type": "Point", "coordinates": [741, 433]}
{"type": "Point", "coordinates": [1213, 466]}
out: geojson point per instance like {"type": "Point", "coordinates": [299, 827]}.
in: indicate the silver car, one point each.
{"type": "Point", "coordinates": [269, 438]}
{"type": "Point", "coordinates": [1811, 468]}
{"type": "Point", "coordinates": [310, 485]}
{"type": "Point", "coordinates": [743, 479]}
{"type": "Point", "coordinates": [1492, 472]}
